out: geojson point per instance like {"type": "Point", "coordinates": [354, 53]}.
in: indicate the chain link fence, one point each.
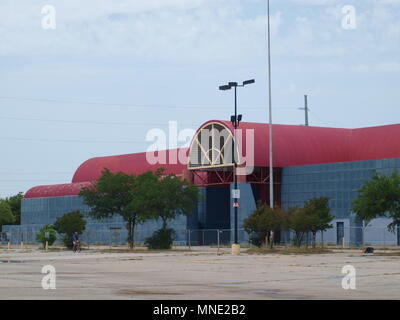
{"type": "Point", "coordinates": [185, 237]}
{"type": "Point", "coordinates": [115, 236]}
{"type": "Point", "coordinates": [348, 236]}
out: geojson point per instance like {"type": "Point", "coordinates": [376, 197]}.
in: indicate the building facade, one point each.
{"type": "Point", "coordinates": [308, 162]}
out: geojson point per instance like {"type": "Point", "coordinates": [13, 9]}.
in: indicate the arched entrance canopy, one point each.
{"type": "Point", "coordinates": [212, 147]}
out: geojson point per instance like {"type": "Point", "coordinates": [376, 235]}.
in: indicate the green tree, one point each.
{"type": "Point", "coordinates": [6, 215]}
{"type": "Point", "coordinates": [320, 217]}
{"type": "Point", "coordinates": [264, 220]}
{"type": "Point", "coordinates": [15, 205]}
{"type": "Point", "coordinates": [300, 222]}
{"type": "Point", "coordinates": [173, 197]}
{"type": "Point", "coordinates": [379, 197]}
{"type": "Point", "coordinates": [122, 194]}
{"type": "Point", "coordinates": [51, 235]}
{"type": "Point", "coordinates": [68, 224]}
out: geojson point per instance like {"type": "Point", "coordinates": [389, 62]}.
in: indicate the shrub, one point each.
{"type": "Point", "coordinates": [52, 235]}
{"type": "Point", "coordinates": [161, 239]}
{"type": "Point", "coordinates": [257, 239]}
{"type": "Point", "coordinates": [264, 220]}
{"type": "Point", "coordinates": [68, 224]}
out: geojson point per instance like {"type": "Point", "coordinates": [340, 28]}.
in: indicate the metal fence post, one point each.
{"type": "Point", "coordinates": [8, 235]}
{"type": "Point", "coordinates": [384, 236]}
{"type": "Point", "coordinates": [110, 231]}
{"type": "Point", "coordinates": [363, 233]}
{"type": "Point", "coordinates": [218, 240]}
{"type": "Point", "coordinates": [322, 238]}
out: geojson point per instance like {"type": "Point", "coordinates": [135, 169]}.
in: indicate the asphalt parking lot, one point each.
{"type": "Point", "coordinates": [197, 274]}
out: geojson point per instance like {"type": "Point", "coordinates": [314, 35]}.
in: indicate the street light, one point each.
{"type": "Point", "coordinates": [235, 119]}
{"type": "Point", "coordinates": [248, 82]}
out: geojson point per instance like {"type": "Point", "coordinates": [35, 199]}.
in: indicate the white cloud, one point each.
{"type": "Point", "coordinates": [392, 66]}
{"type": "Point", "coordinates": [317, 2]}
{"type": "Point", "coordinates": [173, 30]}
{"type": "Point", "coordinates": [194, 31]}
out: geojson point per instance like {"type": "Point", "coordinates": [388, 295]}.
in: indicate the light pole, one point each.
{"type": "Point", "coordinates": [271, 164]}
{"type": "Point", "coordinates": [235, 119]}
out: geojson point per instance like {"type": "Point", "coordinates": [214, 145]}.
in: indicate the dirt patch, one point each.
{"type": "Point", "coordinates": [289, 250]}
{"type": "Point", "coordinates": [144, 250]}
{"type": "Point", "coordinates": [129, 292]}
{"type": "Point", "coordinates": [386, 254]}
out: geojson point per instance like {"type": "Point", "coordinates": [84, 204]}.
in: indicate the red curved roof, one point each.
{"type": "Point", "coordinates": [301, 145]}
{"type": "Point", "coordinates": [91, 169]}
{"type": "Point", "coordinates": [292, 146]}
{"type": "Point", "coordinates": [375, 143]}
{"type": "Point", "coordinates": [58, 190]}
{"type": "Point", "coordinates": [136, 163]}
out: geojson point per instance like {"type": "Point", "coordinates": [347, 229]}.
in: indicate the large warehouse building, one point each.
{"type": "Point", "coordinates": [308, 162]}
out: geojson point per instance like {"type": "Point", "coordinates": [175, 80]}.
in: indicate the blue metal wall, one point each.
{"type": "Point", "coordinates": [37, 212]}
{"type": "Point", "coordinates": [339, 182]}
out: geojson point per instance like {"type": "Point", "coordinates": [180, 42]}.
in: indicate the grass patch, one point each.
{"type": "Point", "coordinates": [54, 249]}
{"type": "Point", "coordinates": [288, 250]}
{"type": "Point", "coordinates": [386, 254]}
{"type": "Point", "coordinates": [137, 250]}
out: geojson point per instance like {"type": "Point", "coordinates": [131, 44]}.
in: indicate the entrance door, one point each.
{"type": "Point", "coordinates": [217, 216]}
{"type": "Point", "coordinates": [339, 232]}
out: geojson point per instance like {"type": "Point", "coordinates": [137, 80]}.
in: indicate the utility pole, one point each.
{"type": "Point", "coordinates": [305, 110]}
{"type": "Point", "coordinates": [271, 164]}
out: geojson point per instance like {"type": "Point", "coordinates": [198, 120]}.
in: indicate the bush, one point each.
{"type": "Point", "coordinates": [264, 220]}
{"type": "Point", "coordinates": [161, 239]}
{"type": "Point", "coordinates": [68, 224]}
{"type": "Point", "coordinates": [257, 240]}
{"type": "Point", "coordinates": [41, 236]}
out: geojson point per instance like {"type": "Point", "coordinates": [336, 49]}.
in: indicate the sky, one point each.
{"type": "Point", "coordinates": [112, 70]}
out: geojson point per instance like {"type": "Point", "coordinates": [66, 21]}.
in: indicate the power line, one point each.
{"type": "Point", "coordinates": [113, 104]}
{"type": "Point", "coordinates": [70, 140]}
{"type": "Point", "coordinates": [126, 104]}
{"type": "Point", "coordinates": [323, 121]}
{"type": "Point", "coordinates": [32, 180]}
{"type": "Point", "coordinates": [33, 173]}
{"type": "Point", "coordinates": [99, 122]}
{"type": "Point", "coordinates": [88, 122]}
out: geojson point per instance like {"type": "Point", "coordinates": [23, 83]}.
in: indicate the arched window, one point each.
{"type": "Point", "coordinates": [211, 147]}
